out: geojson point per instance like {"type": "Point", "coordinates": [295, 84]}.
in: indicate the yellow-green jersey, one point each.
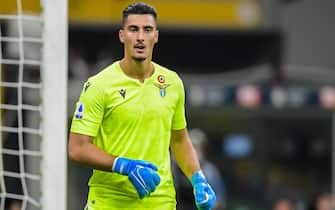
{"type": "Point", "coordinates": [131, 119]}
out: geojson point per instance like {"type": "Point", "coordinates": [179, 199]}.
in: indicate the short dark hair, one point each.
{"type": "Point", "coordinates": [138, 8]}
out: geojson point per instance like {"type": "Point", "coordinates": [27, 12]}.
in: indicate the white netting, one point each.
{"type": "Point", "coordinates": [20, 151]}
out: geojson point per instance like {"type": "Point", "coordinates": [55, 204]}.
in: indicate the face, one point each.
{"type": "Point", "coordinates": [283, 205]}
{"type": "Point", "coordinates": [326, 202]}
{"type": "Point", "coordinates": [139, 35]}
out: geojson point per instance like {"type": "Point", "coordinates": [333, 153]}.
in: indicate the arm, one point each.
{"type": "Point", "coordinates": [184, 153]}
{"type": "Point", "coordinates": [186, 158]}
{"type": "Point", "coordinates": [140, 173]}
{"type": "Point", "coordinates": [81, 150]}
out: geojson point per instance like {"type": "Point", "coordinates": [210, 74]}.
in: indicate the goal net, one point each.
{"type": "Point", "coordinates": [33, 81]}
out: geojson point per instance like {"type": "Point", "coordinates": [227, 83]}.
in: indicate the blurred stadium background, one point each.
{"type": "Point", "coordinates": [260, 83]}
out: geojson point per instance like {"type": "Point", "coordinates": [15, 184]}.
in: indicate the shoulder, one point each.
{"type": "Point", "coordinates": [96, 84]}
{"type": "Point", "coordinates": [105, 75]}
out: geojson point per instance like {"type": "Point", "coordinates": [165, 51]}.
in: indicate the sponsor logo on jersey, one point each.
{"type": "Point", "coordinates": [87, 85]}
{"type": "Point", "coordinates": [80, 111]}
{"type": "Point", "coordinates": [123, 93]}
{"type": "Point", "coordinates": [162, 89]}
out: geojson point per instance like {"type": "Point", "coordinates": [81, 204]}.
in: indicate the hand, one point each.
{"type": "Point", "coordinates": [140, 173]}
{"type": "Point", "coordinates": [203, 193]}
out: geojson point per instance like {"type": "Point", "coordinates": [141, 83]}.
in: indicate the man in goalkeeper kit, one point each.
{"type": "Point", "coordinates": [127, 118]}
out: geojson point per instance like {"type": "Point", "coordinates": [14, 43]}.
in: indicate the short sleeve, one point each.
{"type": "Point", "coordinates": [179, 120]}
{"type": "Point", "coordinates": [89, 110]}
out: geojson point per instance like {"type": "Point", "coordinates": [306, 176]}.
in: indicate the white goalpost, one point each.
{"type": "Point", "coordinates": [33, 101]}
{"type": "Point", "coordinates": [54, 107]}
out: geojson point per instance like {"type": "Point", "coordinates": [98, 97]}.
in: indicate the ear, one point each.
{"type": "Point", "coordinates": [156, 36]}
{"type": "Point", "coordinates": [121, 35]}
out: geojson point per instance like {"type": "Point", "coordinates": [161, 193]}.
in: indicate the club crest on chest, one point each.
{"type": "Point", "coordinates": [161, 85]}
{"type": "Point", "coordinates": [162, 89]}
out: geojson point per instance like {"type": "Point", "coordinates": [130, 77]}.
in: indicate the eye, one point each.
{"type": "Point", "coordinates": [148, 29]}
{"type": "Point", "coordinates": [133, 28]}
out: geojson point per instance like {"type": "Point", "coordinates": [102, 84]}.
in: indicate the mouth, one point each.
{"type": "Point", "coordinates": [139, 47]}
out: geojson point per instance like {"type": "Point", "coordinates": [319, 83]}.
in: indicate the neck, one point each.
{"type": "Point", "coordinates": [137, 69]}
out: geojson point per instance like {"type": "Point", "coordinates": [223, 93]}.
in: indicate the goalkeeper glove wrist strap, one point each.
{"type": "Point", "coordinates": [198, 177]}
{"type": "Point", "coordinates": [120, 165]}
{"type": "Point", "coordinates": [114, 164]}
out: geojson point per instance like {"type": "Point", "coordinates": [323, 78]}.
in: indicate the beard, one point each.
{"type": "Point", "coordinates": [138, 59]}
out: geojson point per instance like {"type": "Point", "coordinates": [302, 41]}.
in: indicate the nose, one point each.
{"type": "Point", "coordinates": [140, 36]}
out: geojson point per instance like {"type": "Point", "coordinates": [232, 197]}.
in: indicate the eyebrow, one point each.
{"type": "Point", "coordinates": [136, 26]}
{"type": "Point", "coordinates": [151, 27]}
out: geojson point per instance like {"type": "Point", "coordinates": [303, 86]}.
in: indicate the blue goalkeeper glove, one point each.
{"type": "Point", "coordinates": [203, 193]}
{"type": "Point", "coordinates": [140, 173]}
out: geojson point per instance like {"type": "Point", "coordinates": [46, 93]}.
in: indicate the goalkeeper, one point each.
{"type": "Point", "coordinates": [127, 118]}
